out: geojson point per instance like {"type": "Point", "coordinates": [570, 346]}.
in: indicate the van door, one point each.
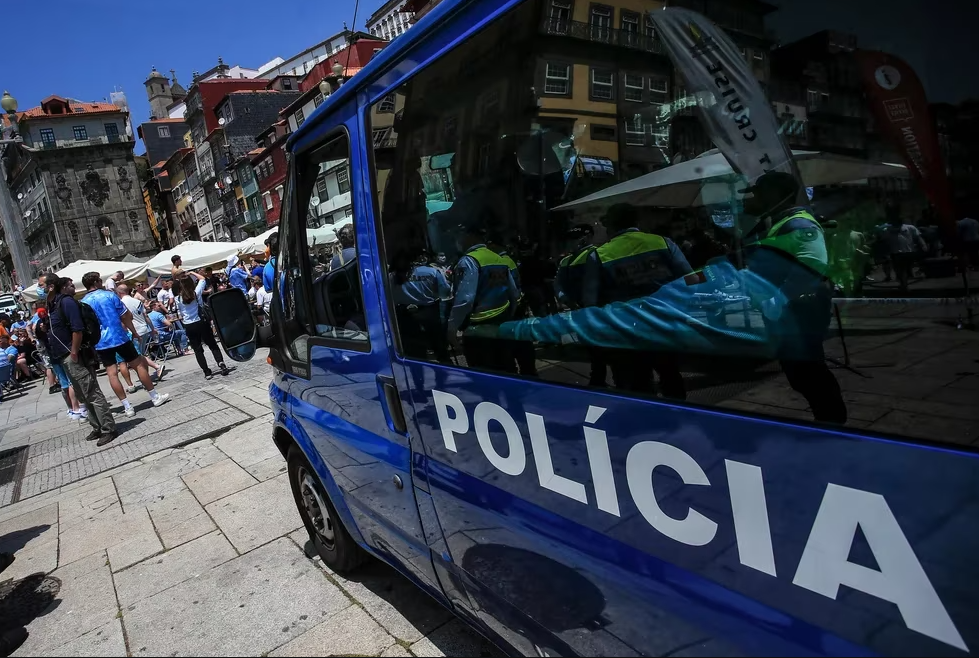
{"type": "Point", "coordinates": [343, 399]}
{"type": "Point", "coordinates": [585, 512]}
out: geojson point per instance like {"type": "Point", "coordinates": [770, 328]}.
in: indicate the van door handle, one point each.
{"type": "Point", "coordinates": [392, 401]}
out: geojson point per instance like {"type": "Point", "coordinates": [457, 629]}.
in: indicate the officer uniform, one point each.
{"type": "Point", "coordinates": [631, 265]}
{"type": "Point", "coordinates": [524, 353]}
{"type": "Point", "coordinates": [484, 294]}
{"type": "Point", "coordinates": [792, 255]}
{"type": "Point", "coordinates": [418, 303]}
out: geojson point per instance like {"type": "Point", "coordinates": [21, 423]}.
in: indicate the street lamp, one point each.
{"type": "Point", "coordinates": [325, 88]}
{"type": "Point", "coordinates": [9, 104]}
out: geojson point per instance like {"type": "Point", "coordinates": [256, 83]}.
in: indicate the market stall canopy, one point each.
{"type": "Point", "coordinates": [106, 268]}
{"type": "Point", "coordinates": [256, 245]}
{"type": "Point", "coordinates": [314, 237]}
{"type": "Point", "coordinates": [194, 255]}
{"type": "Point", "coordinates": [708, 179]}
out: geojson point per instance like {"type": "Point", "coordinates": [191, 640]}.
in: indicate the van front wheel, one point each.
{"type": "Point", "coordinates": [332, 541]}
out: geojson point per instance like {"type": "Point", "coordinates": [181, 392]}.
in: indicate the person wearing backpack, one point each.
{"type": "Point", "coordinates": [70, 343]}
{"type": "Point", "coordinates": [114, 319]}
{"type": "Point", "coordinates": [195, 316]}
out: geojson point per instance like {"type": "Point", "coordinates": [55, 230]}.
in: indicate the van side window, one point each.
{"type": "Point", "coordinates": [336, 303]}
{"type": "Point", "coordinates": [543, 235]}
{"type": "Point", "coordinates": [290, 281]}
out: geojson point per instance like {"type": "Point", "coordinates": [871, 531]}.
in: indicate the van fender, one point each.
{"type": "Point", "coordinates": [287, 432]}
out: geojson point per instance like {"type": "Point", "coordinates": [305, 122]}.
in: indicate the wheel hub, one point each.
{"type": "Point", "coordinates": [316, 507]}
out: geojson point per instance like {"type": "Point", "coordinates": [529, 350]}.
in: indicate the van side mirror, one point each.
{"type": "Point", "coordinates": [236, 325]}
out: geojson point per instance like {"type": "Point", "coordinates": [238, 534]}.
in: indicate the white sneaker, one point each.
{"type": "Point", "coordinates": [73, 415]}
{"type": "Point", "coordinates": [130, 411]}
{"type": "Point", "coordinates": [161, 399]}
{"type": "Point", "coordinates": [82, 415]}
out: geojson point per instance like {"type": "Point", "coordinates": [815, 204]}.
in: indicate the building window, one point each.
{"type": "Point", "coordinates": [47, 136]}
{"type": "Point", "coordinates": [300, 117]}
{"type": "Point", "coordinates": [270, 166]}
{"type": "Point", "coordinates": [228, 113]}
{"type": "Point", "coordinates": [163, 131]}
{"type": "Point", "coordinates": [278, 191]}
{"type": "Point", "coordinates": [603, 133]}
{"type": "Point", "coordinates": [759, 56]}
{"type": "Point", "coordinates": [557, 79]}
{"type": "Point", "coordinates": [386, 105]}
{"type": "Point", "coordinates": [600, 18]}
{"type": "Point", "coordinates": [287, 83]}
{"type": "Point", "coordinates": [634, 132]}
{"type": "Point", "coordinates": [81, 132]}
{"type": "Point", "coordinates": [318, 99]}
{"type": "Point", "coordinates": [380, 136]}
{"type": "Point", "coordinates": [376, 51]}
{"type": "Point", "coordinates": [267, 200]}
{"type": "Point", "coordinates": [602, 85]}
{"type": "Point", "coordinates": [558, 17]}
{"type": "Point", "coordinates": [659, 84]}
{"type": "Point", "coordinates": [633, 88]}
{"type": "Point", "coordinates": [112, 131]}
{"type": "Point", "coordinates": [343, 180]}
{"type": "Point", "coordinates": [630, 29]}
{"type": "Point", "coordinates": [743, 51]}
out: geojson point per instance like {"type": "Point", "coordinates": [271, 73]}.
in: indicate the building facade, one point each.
{"type": "Point", "coordinates": [389, 21]}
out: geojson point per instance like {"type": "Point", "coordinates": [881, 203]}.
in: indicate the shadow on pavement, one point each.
{"type": "Point", "coordinates": [22, 601]}
{"type": "Point", "coordinates": [14, 541]}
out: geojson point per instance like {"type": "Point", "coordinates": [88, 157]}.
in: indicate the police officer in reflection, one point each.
{"type": "Point", "coordinates": [485, 294]}
{"type": "Point", "coordinates": [786, 247]}
{"type": "Point", "coordinates": [569, 289]}
{"type": "Point", "coordinates": [523, 352]}
{"type": "Point", "coordinates": [420, 292]}
{"type": "Point", "coordinates": [630, 265]}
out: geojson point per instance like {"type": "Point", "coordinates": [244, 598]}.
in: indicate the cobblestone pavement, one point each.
{"type": "Point", "coordinates": [184, 539]}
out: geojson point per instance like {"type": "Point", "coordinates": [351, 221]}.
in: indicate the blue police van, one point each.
{"type": "Point", "coordinates": [594, 412]}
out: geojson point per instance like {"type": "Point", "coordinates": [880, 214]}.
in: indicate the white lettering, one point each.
{"type": "Point", "coordinates": [901, 579]}
{"type": "Point", "coordinates": [515, 462]}
{"type": "Point", "coordinates": [458, 424]}
{"type": "Point", "coordinates": [750, 511]}
{"type": "Point", "coordinates": [695, 529]}
{"type": "Point", "coordinates": [545, 467]}
{"type": "Point", "coordinates": [596, 443]}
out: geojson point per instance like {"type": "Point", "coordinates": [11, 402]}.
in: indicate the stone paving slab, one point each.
{"type": "Point", "coordinates": [248, 606]}
{"type": "Point", "coordinates": [350, 632]}
{"type": "Point", "coordinates": [218, 480]}
{"type": "Point", "coordinates": [179, 518]}
{"type": "Point", "coordinates": [258, 514]}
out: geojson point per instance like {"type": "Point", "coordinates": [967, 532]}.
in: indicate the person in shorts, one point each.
{"type": "Point", "coordinates": [116, 320]}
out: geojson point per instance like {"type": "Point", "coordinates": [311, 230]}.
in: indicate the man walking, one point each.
{"type": "Point", "coordinates": [144, 326]}
{"type": "Point", "coordinates": [115, 319]}
{"type": "Point", "coordinates": [65, 343]}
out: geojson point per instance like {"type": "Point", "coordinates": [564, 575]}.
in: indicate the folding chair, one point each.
{"type": "Point", "coordinates": [6, 378]}
{"type": "Point", "coordinates": [160, 349]}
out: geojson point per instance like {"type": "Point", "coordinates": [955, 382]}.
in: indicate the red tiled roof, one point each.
{"type": "Point", "coordinates": [87, 108]}
{"type": "Point", "coordinates": [167, 120]}
{"type": "Point", "coordinates": [160, 164]}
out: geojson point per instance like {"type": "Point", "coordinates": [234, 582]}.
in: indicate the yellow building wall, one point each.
{"type": "Point", "coordinates": [579, 101]}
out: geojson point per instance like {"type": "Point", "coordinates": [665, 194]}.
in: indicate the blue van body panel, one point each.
{"type": "Point", "coordinates": [541, 571]}
{"type": "Point", "coordinates": [703, 594]}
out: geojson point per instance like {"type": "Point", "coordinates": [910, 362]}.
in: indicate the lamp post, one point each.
{"type": "Point", "coordinates": [10, 217]}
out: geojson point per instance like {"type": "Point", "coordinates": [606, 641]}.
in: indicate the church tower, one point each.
{"type": "Point", "coordinates": [159, 94]}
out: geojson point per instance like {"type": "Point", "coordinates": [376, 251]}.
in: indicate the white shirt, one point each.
{"type": "Point", "coordinates": [251, 295]}
{"type": "Point", "coordinates": [165, 297]}
{"type": "Point", "coordinates": [138, 310]}
{"type": "Point", "coordinates": [263, 298]}
{"type": "Point", "coordinates": [110, 284]}
{"type": "Point", "coordinates": [190, 313]}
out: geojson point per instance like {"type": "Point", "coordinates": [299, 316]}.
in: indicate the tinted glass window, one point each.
{"type": "Point", "coordinates": [591, 235]}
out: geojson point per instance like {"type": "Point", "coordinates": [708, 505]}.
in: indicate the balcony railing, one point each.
{"type": "Point", "coordinates": [76, 143]}
{"type": "Point", "coordinates": [601, 34]}
{"type": "Point", "coordinates": [247, 217]}
{"type": "Point", "coordinates": [36, 224]}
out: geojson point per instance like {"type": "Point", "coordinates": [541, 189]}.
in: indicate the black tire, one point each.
{"type": "Point", "coordinates": [326, 531]}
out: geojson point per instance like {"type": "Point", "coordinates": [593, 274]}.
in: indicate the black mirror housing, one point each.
{"type": "Point", "coordinates": [235, 323]}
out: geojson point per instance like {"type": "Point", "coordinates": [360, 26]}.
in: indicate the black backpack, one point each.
{"type": "Point", "coordinates": [92, 333]}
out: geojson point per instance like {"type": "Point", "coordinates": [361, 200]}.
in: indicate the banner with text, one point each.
{"type": "Point", "coordinates": [734, 108]}
{"type": "Point", "coordinates": [900, 106]}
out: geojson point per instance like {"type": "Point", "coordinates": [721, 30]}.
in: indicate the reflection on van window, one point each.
{"type": "Point", "coordinates": [584, 229]}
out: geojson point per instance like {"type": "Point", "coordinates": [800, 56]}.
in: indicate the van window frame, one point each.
{"type": "Point", "coordinates": [361, 346]}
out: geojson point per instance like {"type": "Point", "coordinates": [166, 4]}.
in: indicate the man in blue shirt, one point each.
{"type": "Point", "coordinates": [257, 268]}
{"type": "Point", "coordinates": [116, 319]}
{"type": "Point", "coordinates": [237, 274]}
{"type": "Point", "coordinates": [268, 272]}
{"type": "Point", "coordinates": [165, 327]}
{"type": "Point", "coordinates": [65, 348]}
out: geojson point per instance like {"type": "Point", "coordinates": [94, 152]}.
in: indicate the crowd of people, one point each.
{"type": "Point", "coordinates": [119, 327]}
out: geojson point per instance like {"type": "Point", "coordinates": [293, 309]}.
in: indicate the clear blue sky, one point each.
{"type": "Point", "coordinates": [85, 49]}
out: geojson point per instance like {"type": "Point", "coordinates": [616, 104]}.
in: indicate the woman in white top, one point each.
{"type": "Point", "coordinates": [198, 330]}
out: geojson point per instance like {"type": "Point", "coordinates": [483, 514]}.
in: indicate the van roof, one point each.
{"type": "Point", "coordinates": [408, 40]}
